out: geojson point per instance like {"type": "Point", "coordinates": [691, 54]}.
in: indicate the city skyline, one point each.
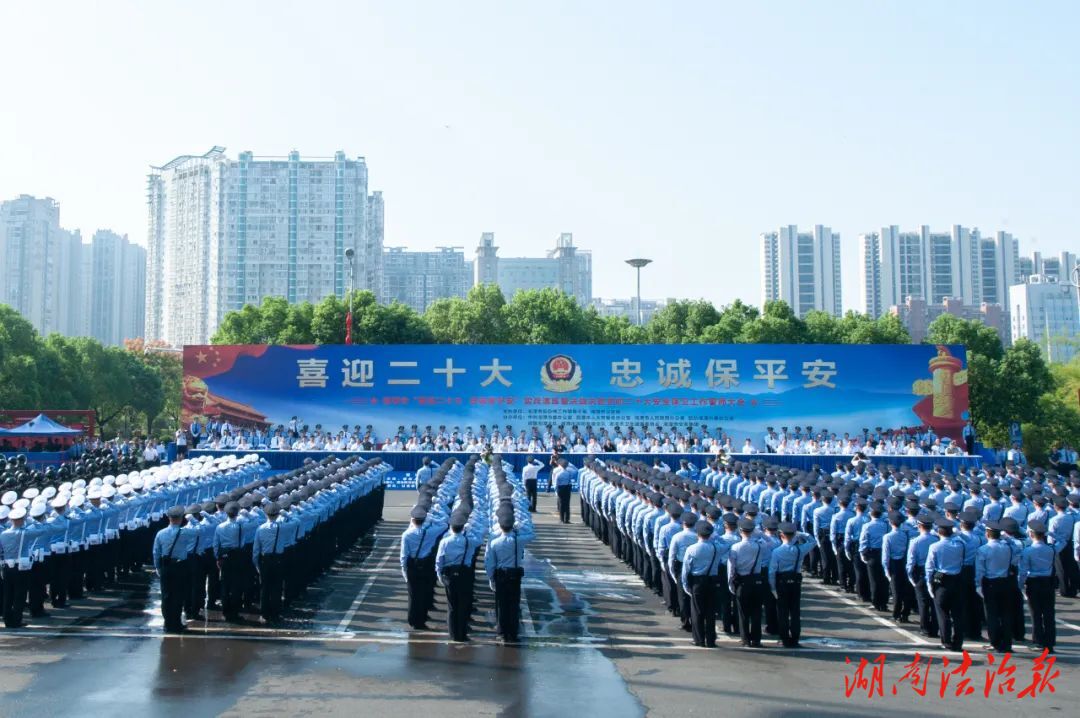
{"type": "Point", "coordinates": [570, 139]}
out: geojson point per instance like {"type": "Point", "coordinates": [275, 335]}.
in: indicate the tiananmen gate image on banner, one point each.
{"type": "Point", "coordinates": [741, 387]}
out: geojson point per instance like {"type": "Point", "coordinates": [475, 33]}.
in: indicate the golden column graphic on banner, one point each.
{"type": "Point", "coordinates": [947, 374]}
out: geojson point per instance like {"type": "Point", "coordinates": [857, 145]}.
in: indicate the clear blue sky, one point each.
{"type": "Point", "coordinates": [677, 131]}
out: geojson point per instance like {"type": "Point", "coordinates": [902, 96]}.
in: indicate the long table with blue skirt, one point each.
{"type": "Point", "coordinates": [407, 462]}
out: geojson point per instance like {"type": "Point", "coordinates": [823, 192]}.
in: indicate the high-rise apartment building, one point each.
{"type": "Point", "coordinates": [62, 285]}
{"type": "Point", "coordinates": [40, 265]}
{"type": "Point", "coordinates": [802, 269]}
{"type": "Point", "coordinates": [117, 281]}
{"type": "Point", "coordinates": [565, 267]}
{"type": "Point", "coordinates": [934, 266]}
{"type": "Point", "coordinates": [1047, 312]}
{"type": "Point", "coordinates": [223, 233]}
{"type": "Point", "coordinates": [418, 279]}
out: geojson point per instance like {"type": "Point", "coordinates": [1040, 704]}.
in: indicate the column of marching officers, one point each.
{"type": "Point", "coordinates": [460, 509]}
{"type": "Point", "coordinates": [734, 544]}
{"type": "Point", "coordinates": [218, 534]}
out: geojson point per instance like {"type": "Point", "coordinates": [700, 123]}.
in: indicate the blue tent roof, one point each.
{"type": "Point", "coordinates": [40, 425]}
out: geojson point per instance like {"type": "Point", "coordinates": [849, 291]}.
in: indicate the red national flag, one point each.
{"type": "Point", "coordinates": [348, 328]}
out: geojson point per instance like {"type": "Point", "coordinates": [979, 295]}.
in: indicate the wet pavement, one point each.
{"type": "Point", "coordinates": [596, 644]}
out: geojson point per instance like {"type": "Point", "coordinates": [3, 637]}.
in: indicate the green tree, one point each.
{"type": "Point", "coordinates": [395, 324]}
{"type": "Point", "coordinates": [1058, 423]}
{"type": "Point", "coordinates": [776, 325]}
{"type": "Point", "coordinates": [297, 329]}
{"type": "Point", "coordinates": [729, 326]}
{"type": "Point", "coordinates": [682, 322]}
{"type": "Point", "coordinates": [480, 318]}
{"type": "Point", "coordinates": [20, 349]}
{"type": "Point", "coordinates": [976, 336]}
{"type": "Point", "coordinates": [546, 316]}
{"type": "Point", "coordinates": [613, 330]}
{"type": "Point", "coordinates": [824, 328]}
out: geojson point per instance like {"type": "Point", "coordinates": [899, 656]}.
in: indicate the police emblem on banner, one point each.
{"type": "Point", "coordinates": [560, 373]}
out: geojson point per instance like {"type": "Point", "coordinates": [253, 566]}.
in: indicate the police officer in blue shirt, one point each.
{"type": "Point", "coordinates": [680, 542]}
{"type": "Point", "coordinates": [746, 581]}
{"type": "Point", "coordinates": [845, 573]}
{"type": "Point", "coordinates": [894, 551]}
{"type": "Point", "coordinates": [996, 587]}
{"type": "Point", "coordinates": [170, 554]}
{"type": "Point", "coordinates": [417, 545]}
{"type": "Point", "coordinates": [1060, 529]}
{"type": "Point", "coordinates": [870, 540]}
{"type": "Point", "coordinates": [502, 564]}
{"type": "Point", "coordinates": [229, 552]}
{"type": "Point", "coordinates": [944, 562]}
{"type": "Point", "coordinates": [562, 476]}
{"type": "Point", "coordinates": [1036, 577]}
{"type": "Point", "coordinates": [14, 547]}
{"type": "Point", "coordinates": [424, 473]}
{"type": "Point", "coordinates": [267, 555]}
{"type": "Point", "coordinates": [454, 568]}
{"type": "Point", "coordinates": [700, 568]}
{"type": "Point", "coordinates": [785, 581]}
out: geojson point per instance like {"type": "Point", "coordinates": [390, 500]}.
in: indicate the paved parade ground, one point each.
{"type": "Point", "coordinates": [596, 643]}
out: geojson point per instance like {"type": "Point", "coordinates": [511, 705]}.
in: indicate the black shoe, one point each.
{"type": "Point", "coordinates": [39, 614]}
{"type": "Point", "coordinates": [196, 617]}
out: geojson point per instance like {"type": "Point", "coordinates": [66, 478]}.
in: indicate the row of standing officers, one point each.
{"type": "Point", "coordinates": [712, 556]}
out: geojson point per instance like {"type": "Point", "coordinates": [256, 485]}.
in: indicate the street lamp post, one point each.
{"type": "Point", "coordinates": [350, 256]}
{"type": "Point", "coordinates": [638, 264]}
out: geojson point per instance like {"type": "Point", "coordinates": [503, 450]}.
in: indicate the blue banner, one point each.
{"type": "Point", "coordinates": [742, 388]}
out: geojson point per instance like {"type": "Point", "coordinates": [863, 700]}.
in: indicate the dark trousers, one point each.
{"type": "Point", "coordinates": [768, 602]}
{"type": "Point", "coordinates": [1068, 571]}
{"type": "Point", "coordinates": [530, 491]}
{"type": "Point", "coordinates": [507, 604]}
{"type": "Point", "coordinates": [845, 571]}
{"type": "Point", "coordinates": [213, 578]}
{"type": "Point", "coordinates": [196, 597]}
{"type": "Point", "coordinates": [748, 597]}
{"type": "Point", "coordinates": [703, 609]}
{"type": "Point", "coordinates": [564, 502]}
{"type": "Point", "coordinates": [233, 576]}
{"type": "Point", "coordinates": [997, 600]}
{"type": "Point", "coordinates": [76, 573]}
{"type": "Point", "coordinates": [925, 603]}
{"type": "Point", "coordinates": [667, 588]}
{"type": "Point", "coordinates": [1018, 607]}
{"type": "Point", "coordinates": [973, 613]}
{"type": "Point", "coordinates": [879, 585]}
{"type": "Point", "coordinates": [949, 599]}
{"type": "Point", "coordinates": [39, 578]}
{"type": "Point", "coordinates": [903, 593]}
{"type": "Point", "coordinates": [789, 607]}
{"type": "Point", "coordinates": [458, 585]}
{"type": "Point", "coordinates": [1040, 596]}
{"type": "Point", "coordinates": [829, 569]}
{"type": "Point", "coordinates": [674, 600]}
{"type": "Point", "coordinates": [15, 586]}
{"type": "Point", "coordinates": [270, 584]}
{"type": "Point", "coordinates": [729, 615]}
{"type": "Point", "coordinates": [417, 581]}
{"type": "Point", "coordinates": [862, 577]}
{"type": "Point", "coordinates": [59, 578]}
{"type": "Point", "coordinates": [174, 589]}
